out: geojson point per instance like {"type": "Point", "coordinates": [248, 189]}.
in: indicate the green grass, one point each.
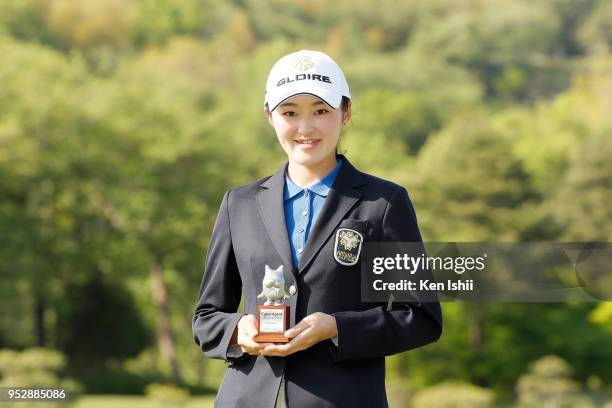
{"type": "Point", "coordinates": [129, 401]}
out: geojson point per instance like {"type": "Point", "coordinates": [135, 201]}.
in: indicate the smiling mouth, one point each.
{"type": "Point", "coordinates": [307, 141]}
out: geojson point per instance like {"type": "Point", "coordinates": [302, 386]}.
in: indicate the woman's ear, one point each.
{"type": "Point", "coordinates": [346, 116]}
{"type": "Point", "coordinates": [269, 115]}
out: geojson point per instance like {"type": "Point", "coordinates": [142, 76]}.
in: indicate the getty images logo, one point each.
{"type": "Point", "coordinates": [303, 63]}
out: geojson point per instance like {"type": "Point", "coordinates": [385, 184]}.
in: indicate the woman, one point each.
{"type": "Point", "coordinates": [335, 356]}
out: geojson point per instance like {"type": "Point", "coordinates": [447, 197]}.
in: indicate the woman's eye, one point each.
{"type": "Point", "coordinates": [321, 112]}
{"type": "Point", "coordinates": [289, 113]}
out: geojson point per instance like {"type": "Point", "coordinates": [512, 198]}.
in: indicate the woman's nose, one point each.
{"type": "Point", "coordinates": [305, 127]}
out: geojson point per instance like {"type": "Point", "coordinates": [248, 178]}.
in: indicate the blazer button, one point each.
{"type": "Point", "coordinates": [292, 290]}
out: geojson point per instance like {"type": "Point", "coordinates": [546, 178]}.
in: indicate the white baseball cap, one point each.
{"type": "Point", "coordinates": [306, 72]}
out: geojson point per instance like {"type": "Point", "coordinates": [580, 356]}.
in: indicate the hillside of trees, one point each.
{"type": "Point", "coordinates": [122, 123]}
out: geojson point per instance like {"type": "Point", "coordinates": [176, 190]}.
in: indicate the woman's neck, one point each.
{"type": "Point", "coordinates": [305, 176]}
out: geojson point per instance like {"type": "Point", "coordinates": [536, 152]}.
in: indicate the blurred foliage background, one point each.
{"type": "Point", "coordinates": [122, 123]}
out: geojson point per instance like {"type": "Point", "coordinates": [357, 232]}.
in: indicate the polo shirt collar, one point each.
{"type": "Point", "coordinates": [321, 187]}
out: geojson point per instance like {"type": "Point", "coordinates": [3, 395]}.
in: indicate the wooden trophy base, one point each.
{"type": "Point", "coordinates": [272, 322]}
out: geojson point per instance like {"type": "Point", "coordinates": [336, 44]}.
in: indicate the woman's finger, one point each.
{"type": "Point", "coordinates": [248, 324]}
{"type": "Point", "coordinates": [247, 341]}
{"type": "Point", "coordinates": [299, 342]}
{"type": "Point", "coordinates": [297, 329]}
{"type": "Point", "coordinates": [277, 350]}
{"type": "Point", "coordinates": [294, 331]}
{"type": "Point", "coordinates": [250, 346]}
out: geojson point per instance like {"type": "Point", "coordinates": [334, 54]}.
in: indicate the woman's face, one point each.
{"type": "Point", "coordinates": [308, 129]}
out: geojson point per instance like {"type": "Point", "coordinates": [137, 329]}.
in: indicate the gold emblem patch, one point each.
{"type": "Point", "coordinates": [304, 63]}
{"type": "Point", "coordinates": [347, 246]}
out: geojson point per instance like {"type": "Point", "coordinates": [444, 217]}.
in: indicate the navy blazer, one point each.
{"type": "Point", "coordinates": [250, 232]}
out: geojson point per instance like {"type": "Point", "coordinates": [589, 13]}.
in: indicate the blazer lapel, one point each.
{"type": "Point", "coordinates": [342, 196]}
{"type": "Point", "coordinates": [272, 212]}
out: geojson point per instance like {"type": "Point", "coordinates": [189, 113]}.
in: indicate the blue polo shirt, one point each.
{"type": "Point", "coordinates": [302, 206]}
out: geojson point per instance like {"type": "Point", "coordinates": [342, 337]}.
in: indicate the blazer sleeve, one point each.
{"type": "Point", "coordinates": [380, 332]}
{"type": "Point", "coordinates": [215, 316]}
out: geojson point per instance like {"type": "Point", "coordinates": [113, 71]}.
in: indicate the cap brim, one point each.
{"type": "Point", "coordinates": [330, 98]}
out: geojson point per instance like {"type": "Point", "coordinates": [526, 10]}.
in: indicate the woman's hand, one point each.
{"type": "Point", "coordinates": [311, 330]}
{"type": "Point", "coordinates": [247, 329]}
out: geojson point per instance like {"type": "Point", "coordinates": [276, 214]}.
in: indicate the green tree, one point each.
{"type": "Point", "coordinates": [476, 35]}
{"type": "Point", "coordinates": [408, 117]}
{"type": "Point", "coordinates": [467, 172]}
{"type": "Point", "coordinates": [596, 30]}
{"type": "Point", "coordinates": [581, 204]}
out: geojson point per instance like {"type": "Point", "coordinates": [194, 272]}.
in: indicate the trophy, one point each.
{"type": "Point", "coordinates": [273, 315]}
